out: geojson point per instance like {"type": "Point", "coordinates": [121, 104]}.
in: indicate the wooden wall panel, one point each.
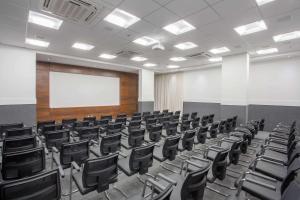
{"type": "Point", "coordinates": [128, 93]}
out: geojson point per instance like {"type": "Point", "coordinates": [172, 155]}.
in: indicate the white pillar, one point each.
{"type": "Point", "coordinates": [146, 90]}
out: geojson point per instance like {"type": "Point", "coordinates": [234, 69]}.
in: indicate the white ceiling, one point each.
{"type": "Point", "coordinates": [214, 21]}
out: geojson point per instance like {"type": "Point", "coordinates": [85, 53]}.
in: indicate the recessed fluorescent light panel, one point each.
{"type": "Point", "coordinates": [149, 65]}
{"type": "Point", "coordinates": [251, 28]}
{"type": "Point", "coordinates": [179, 27]}
{"type": "Point", "coordinates": [121, 18]}
{"type": "Point", "coordinates": [286, 36]}
{"type": "Point", "coordinates": [36, 42]}
{"type": "Point", "coordinates": [185, 45]}
{"type": "Point", "coordinates": [173, 66]}
{"type": "Point", "coordinates": [263, 2]}
{"type": "Point", "coordinates": [138, 58]}
{"type": "Point", "coordinates": [219, 50]}
{"type": "Point", "coordinates": [145, 41]}
{"type": "Point", "coordinates": [83, 46]}
{"type": "Point", "coordinates": [267, 51]}
{"type": "Point", "coordinates": [216, 59]}
{"type": "Point", "coordinates": [177, 59]}
{"type": "Point", "coordinates": [44, 20]}
{"type": "Point", "coordinates": [107, 56]}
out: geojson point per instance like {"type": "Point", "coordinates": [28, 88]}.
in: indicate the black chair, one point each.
{"type": "Point", "coordinates": [4, 127]}
{"type": "Point", "coordinates": [81, 124]}
{"type": "Point", "coordinates": [97, 175]}
{"type": "Point", "coordinates": [136, 118]}
{"type": "Point", "coordinates": [171, 128]}
{"type": "Point", "coordinates": [90, 119]}
{"type": "Point", "coordinates": [177, 112]}
{"type": "Point", "coordinates": [194, 115]}
{"type": "Point", "coordinates": [187, 141]}
{"type": "Point", "coordinates": [165, 111]}
{"type": "Point", "coordinates": [102, 123]}
{"type": "Point", "coordinates": [121, 120]}
{"type": "Point", "coordinates": [164, 120]}
{"type": "Point", "coordinates": [204, 120]}
{"type": "Point", "coordinates": [134, 124]}
{"type": "Point", "coordinates": [234, 121]}
{"type": "Point", "coordinates": [110, 144]}
{"type": "Point", "coordinates": [69, 123]}
{"type": "Point", "coordinates": [213, 131]}
{"type": "Point", "coordinates": [196, 122]}
{"type": "Point", "coordinates": [113, 128]}
{"type": "Point", "coordinates": [262, 124]}
{"type": "Point", "coordinates": [45, 186]}
{"type": "Point", "coordinates": [235, 149]}
{"type": "Point", "coordinates": [41, 124]}
{"type": "Point", "coordinates": [16, 165]}
{"type": "Point", "coordinates": [51, 127]}
{"type": "Point", "coordinates": [18, 144]}
{"type": "Point", "coordinates": [185, 116]}
{"type": "Point", "coordinates": [56, 138]}
{"type": "Point", "coordinates": [156, 113]}
{"type": "Point", "coordinates": [109, 117]}
{"type": "Point", "coordinates": [140, 159]}
{"type": "Point", "coordinates": [88, 133]}
{"type": "Point", "coordinates": [211, 118]}
{"type": "Point", "coordinates": [135, 138]}
{"type": "Point", "coordinates": [121, 115]}
{"type": "Point", "coordinates": [185, 125]}
{"type": "Point", "coordinates": [168, 150]}
{"type": "Point", "coordinates": [155, 132]}
{"type": "Point", "coordinates": [170, 114]}
{"type": "Point", "coordinates": [18, 132]}
{"type": "Point", "coordinates": [150, 122]}
{"type": "Point", "coordinates": [228, 125]}
{"type": "Point", "coordinates": [175, 118]}
{"type": "Point", "coordinates": [145, 114]}
{"type": "Point", "coordinates": [222, 126]}
{"type": "Point", "coordinates": [202, 135]}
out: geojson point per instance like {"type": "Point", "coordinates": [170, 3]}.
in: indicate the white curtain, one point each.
{"type": "Point", "coordinates": [168, 92]}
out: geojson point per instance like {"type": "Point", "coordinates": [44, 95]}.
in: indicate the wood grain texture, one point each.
{"type": "Point", "coordinates": [128, 93]}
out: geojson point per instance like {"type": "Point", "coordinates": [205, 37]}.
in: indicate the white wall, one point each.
{"type": "Point", "coordinates": [275, 82]}
{"type": "Point", "coordinates": [146, 85]}
{"type": "Point", "coordinates": [202, 85]}
{"type": "Point", "coordinates": [17, 76]}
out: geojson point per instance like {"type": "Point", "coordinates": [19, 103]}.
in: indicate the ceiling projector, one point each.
{"type": "Point", "coordinates": [158, 46]}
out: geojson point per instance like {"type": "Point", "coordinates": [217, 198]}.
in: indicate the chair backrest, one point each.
{"type": "Point", "coordinates": [214, 126]}
{"type": "Point", "coordinates": [100, 172]}
{"type": "Point", "coordinates": [175, 117]}
{"type": "Point", "coordinates": [114, 128]}
{"type": "Point", "coordinates": [170, 147]}
{"type": "Point", "coordinates": [51, 127]}
{"type": "Point", "coordinates": [18, 132]}
{"type": "Point", "coordinates": [75, 151]}
{"type": "Point", "coordinates": [141, 158]}
{"type": "Point", "coordinates": [20, 164]}
{"type": "Point", "coordinates": [211, 118]}
{"type": "Point", "coordinates": [4, 127]}
{"type": "Point", "coordinates": [136, 137]}
{"type": "Point", "coordinates": [188, 139]}
{"type": "Point", "coordinates": [204, 120]}
{"type": "Point", "coordinates": [185, 116]}
{"type": "Point", "coordinates": [122, 120]}
{"type": "Point", "coordinates": [177, 112]}
{"type": "Point", "coordinates": [228, 125]}
{"type": "Point", "coordinates": [40, 124]}
{"type": "Point", "coordinates": [136, 118]}
{"type": "Point", "coordinates": [164, 119]}
{"type": "Point", "coordinates": [196, 122]}
{"type": "Point", "coordinates": [121, 115]}
{"type": "Point", "coordinates": [149, 117]}
{"type": "Point", "coordinates": [220, 164]}
{"type": "Point", "coordinates": [137, 114]}
{"type": "Point", "coordinates": [91, 119]}
{"type": "Point", "coordinates": [234, 121]}
{"type": "Point", "coordinates": [194, 184]}
{"type": "Point", "coordinates": [88, 133]}
{"type": "Point", "coordinates": [170, 113]}
{"type": "Point", "coordinates": [102, 122]}
{"type": "Point", "coordinates": [165, 194]}
{"type": "Point", "coordinates": [69, 123]}
{"type": "Point", "coordinates": [165, 111]}
{"type": "Point", "coordinates": [235, 151]}
{"type": "Point", "coordinates": [156, 113]}
{"type": "Point", "coordinates": [110, 143]}
{"type": "Point", "coordinates": [81, 124]}
{"type": "Point", "coordinates": [185, 125]}
{"type": "Point", "coordinates": [45, 186]}
{"type": "Point", "coordinates": [194, 115]}
{"type": "Point", "coordinates": [155, 132]}
{"type": "Point", "coordinates": [57, 138]}
{"type": "Point", "coordinates": [150, 122]}
{"type": "Point", "coordinates": [171, 128]}
{"type": "Point", "coordinates": [18, 144]}
{"type": "Point", "coordinates": [262, 124]}
{"type": "Point", "coordinates": [222, 126]}
{"type": "Point", "coordinates": [135, 124]}
{"type": "Point", "coordinates": [146, 114]}
{"type": "Point", "coordinates": [109, 117]}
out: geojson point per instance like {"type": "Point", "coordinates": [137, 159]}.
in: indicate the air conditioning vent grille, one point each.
{"type": "Point", "coordinates": [199, 55]}
{"type": "Point", "coordinates": [78, 11]}
{"type": "Point", "coordinates": [126, 54]}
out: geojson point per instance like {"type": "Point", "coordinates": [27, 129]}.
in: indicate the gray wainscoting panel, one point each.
{"type": "Point", "coordinates": [145, 106]}
{"type": "Point", "coordinates": [25, 113]}
{"type": "Point", "coordinates": [274, 114]}
{"type": "Point", "coordinates": [232, 110]}
{"type": "Point", "coordinates": [202, 108]}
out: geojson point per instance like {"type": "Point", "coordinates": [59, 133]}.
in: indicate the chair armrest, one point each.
{"type": "Point", "coordinates": [75, 166]}
{"type": "Point", "coordinates": [261, 176]}
{"type": "Point", "coordinates": [95, 153]}
{"type": "Point", "coordinates": [122, 154]}
{"type": "Point", "coordinates": [55, 150]}
{"type": "Point", "coordinates": [261, 183]}
{"type": "Point", "coordinates": [215, 148]}
{"type": "Point", "coordinates": [169, 180]}
{"type": "Point", "coordinates": [272, 159]}
{"type": "Point", "coordinates": [94, 142]}
{"type": "Point", "coordinates": [60, 169]}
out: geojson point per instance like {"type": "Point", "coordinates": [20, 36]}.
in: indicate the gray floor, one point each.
{"type": "Point", "coordinates": [132, 186]}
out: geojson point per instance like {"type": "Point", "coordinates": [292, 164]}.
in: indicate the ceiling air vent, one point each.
{"type": "Point", "coordinates": [200, 55]}
{"type": "Point", "coordinates": [79, 11]}
{"type": "Point", "coordinates": [126, 54]}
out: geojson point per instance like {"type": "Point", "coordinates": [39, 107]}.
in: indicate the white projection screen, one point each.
{"type": "Point", "coordinates": [79, 90]}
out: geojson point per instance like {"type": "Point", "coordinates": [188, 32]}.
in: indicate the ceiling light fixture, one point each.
{"type": "Point", "coordinates": [149, 65]}
{"type": "Point", "coordinates": [286, 36]}
{"type": "Point", "coordinates": [179, 27]}
{"type": "Point", "coordinates": [145, 41]}
{"type": "Point", "coordinates": [263, 2]}
{"type": "Point", "coordinates": [121, 18]}
{"type": "Point", "coordinates": [251, 28]}
{"type": "Point", "coordinates": [35, 42]}
{"type": "Point", "coordinates": [185, 45]}
{"type": "Point", "coordinates": [138, 58]}
{"type": "Point", "coordinates": [219, 50]}
{"type": "Point", "coordinates": [173, 66]}
{"type": "Point", "coordinates": [82, 46]}
{"type": "Point", "coordinates": [216, 59]}
{"type": "Point", "coordinates": [107, 56]}
{"type": "Point", "coordinates": [177, 59]}
{"type": "Point", "coordinates": [267, 51]}
{"type": "Point", "coordinates": [44, 20]}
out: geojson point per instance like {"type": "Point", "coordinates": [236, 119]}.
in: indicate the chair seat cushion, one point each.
{"type": "Point", "coordinates": [279, 172]}
{"type": "Point", "coordinates": [78, 181]}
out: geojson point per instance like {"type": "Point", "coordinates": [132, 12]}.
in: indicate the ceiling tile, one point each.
{"type": "Point", "coordinates": [142, 27]}
{"type": "Point", "coordinates": [212, 2]}
{"type": "Point", "coordinates": [186, 7]}
{"type": "Point", "coordinates": [139, 8]}
{"type": "Point", "coordinates": [279, 7]}
{"type": "Point", "coordinates": [229, 8]}
{"type": "Point", "coordinates": [162, 2]}
{"type": "Point", "coordinates": [202, 17]}
{"type": "Point", "coordinates": [161, 17]}
{"type": "Point", "coordinates": [113, 2]}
